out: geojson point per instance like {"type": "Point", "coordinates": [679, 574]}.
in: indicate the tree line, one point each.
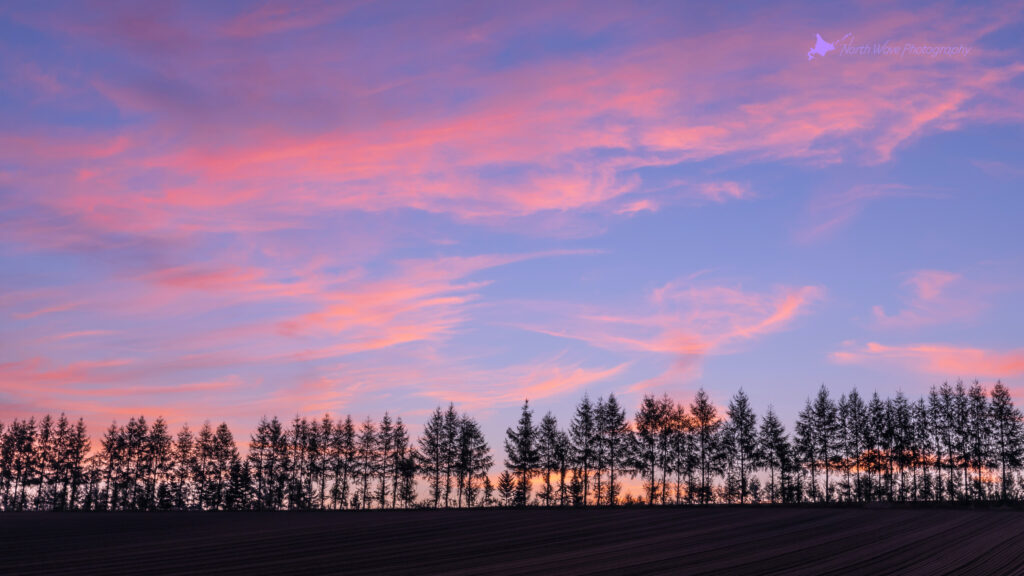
{"type": "Point", "coordinates": [958, 443]}
{"type": "Point", "coordinates": [306, 464]}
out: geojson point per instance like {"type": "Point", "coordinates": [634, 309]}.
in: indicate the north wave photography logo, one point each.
{"type": "Point", "coordinates": [846, 46]}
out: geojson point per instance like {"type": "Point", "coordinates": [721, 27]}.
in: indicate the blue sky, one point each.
{"type": "Point", "coordinates": [224, 212]}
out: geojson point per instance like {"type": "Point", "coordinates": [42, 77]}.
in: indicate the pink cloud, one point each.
{"type": "Point", "coordinates": [275, 17]}
{"type": "Point", "coordinates": [999, 169]}
{"type": "Point", "coordinates": [936, 297]}
{"type": "Point", "coordinates": [83, 334]}
{"type": "Point", "coordinates": [929, 284]}
{"type": "Point", "coordinates": [722, 191]}
{"type": "Point", "coordinates": [31, 76]}
{"type": "Point", "coordinates": [644, 205]}
{"type": "Point", "coordinates": [556, 118]}
{"type": "Point", "coordinates": [201, 278]}
{"type": "Point", "coordinates": [830, 211]}
{"type": "Point", "coordinates": [944, 360]}
{"type": "Point", "coordinates": [440, 378]}
{"type": "Point", "coordinates": [688, 323]}
{"type": "Point", "coordinates": [62, 307]}
{"type": "Point", "coordinates": [511, 385]}
{"type": "Point", "coordinates": [419, 303]}
{"type": "Point", "coordinates": [424, 300]}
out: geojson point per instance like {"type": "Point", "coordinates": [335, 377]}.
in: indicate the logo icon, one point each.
{"type": "Point", "coordinates": [821, 47]}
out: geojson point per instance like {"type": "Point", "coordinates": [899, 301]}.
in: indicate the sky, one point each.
{"type": "Point", "coordinates": [217, 210]}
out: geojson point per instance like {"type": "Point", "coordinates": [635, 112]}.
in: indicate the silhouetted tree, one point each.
{"type": "Point", "coordinates": [950, 428]}
{"type": "Point", "coordinates": [343, 458]}
{"type": "Point", "coordinates": [20, 468]}
{"type": "Point", "coordinates": [321, 464]}
{"type": "Point", "coordinates": [473, 460]}
{"type": "Point", "coordinates": [522, 457]}
{"type": "Point", "coordinates": [488, 492]}
{"type": "Point", "coordinates": [400, 453]}
{"type": "Point", "coordinates": [45, 463]}
{"type": "Point", "coordinates": [775, 451]}
{"type": "Point", "coordinates": [962, 416]}
{"type": "Point", "coordinates": [386, 456]}
{"type": "Point", "coordinates": [450, 450]}
{"type": "Point", "coordinates": [1007, 436]}
{"type": "Point", "coordinates": [217, 451]}
{"type": "Point", "coordinates": [110, 466]}
{"type": "Point", "coordinates": [706, 426]}
{"type": "Point", "coordinates": [682, 459]}
{"type": "Point", "coordinates": [239, 495]}
{"type": "Point", "coordinates": [563, 461]}
{"type": "Point", "coordinates": [407, 470]}
{"type": "Point", "coordinates": [366, 461]}
{"type": "Point", "coordinates": [506, 488]}
{"type": "Point", "coordinates": [743, 444]}
{"type": "Point", "coordinates": [433, 454]}
{"type": "Point", "coordinates": [853, 416]}
{"type": "Point", "coordinates": [75, 454]}
{"type": "Point", "coordinates": [300, 481]}
{"type": "Point", "coordinates": [268, 463]}
{"type": "Point", "coordinates": [923, 448]}
{"type": "Point", "coordinates": [654, 428]}
{"type": "Point", "coordinates": [158, 463]}
{"type": "Point", "coordinates": [897, 413]}
{"type": "Point", "coordinates": [614, 437]}
{"type": "Point", "coordinates": [134, 437]}
{"type": "Point", "coordinates": [979, 432]}
{"type": "Point", "coordinates": [583, 438]}
{"type": "Point", "coordinates": [183, 457]}
{"type": "Point", "coordinates": [824, 435]}
{"type": "Point", "coordinates": [547, 453]}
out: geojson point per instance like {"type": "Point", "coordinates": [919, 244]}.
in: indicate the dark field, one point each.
{"type": "Point", "coordinates": [538, 541]}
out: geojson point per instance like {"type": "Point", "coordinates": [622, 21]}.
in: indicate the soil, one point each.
{"type": "Point", "coordinates": [713, 540]}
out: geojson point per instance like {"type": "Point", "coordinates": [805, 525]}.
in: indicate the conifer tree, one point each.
{"type": "Point", "coordinates": [774, 447]}
{"type": "Point", "coordinates": [743, 423]}
{"type": "Point", "coordinates": [547, 453]}
{"type": "Point", "coordinates": [366, 460]}
{"type": "Point", "coordinates": [343, 450]}
{"type": "Point", "coordinates": [649, 419]}
{"type": "Point", "coordinates": [824, 435]}
{"type": "Point", "coordinates": [432, 455]}
{"type": "Point", "coordinates": [407, 470]}
{"type": "Point", "coordinates": [506, 488]}
{"type": "Point", "coordinates": [614, 435]}
{"type": "Point", "coordinates": [450, 451]}
{"type": "Point", "coordinates": [522, 457]}
{"type": "Point", "coordinates": [583, 435]}
{"type": "Point", "coordinates": [385, 458]}
{"type": "Point", "coordinates": [159, 461]}
{"type": "Point", "coordinates": [183, 456]}
{"type": "Point", "coordinates": [400, 442]}
{"type": "Point", "coordinates": [473, 461]}
{"type": "Point", "coordinates": [75, 456]}
{"type": "Point", "coordinates": [706, 436]}
{"type": "Point", "coordinates": [1007, 437]}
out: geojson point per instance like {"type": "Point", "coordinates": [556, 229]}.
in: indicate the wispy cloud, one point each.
{"type": "Point", "coordinates": [62, 307]}
{"type": "Point", "coordinates": [830, 211]}
{"type": "Point", "coordinates": [943, 360]}
{"type": "Point", "coordinates": [936, 297]}
{"type": "Point", "coordinates": [722, 191]}
{"type": "Point", "coordinates": [276, 17]}
{"type": "Point", "coordinates": [687, 322]}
